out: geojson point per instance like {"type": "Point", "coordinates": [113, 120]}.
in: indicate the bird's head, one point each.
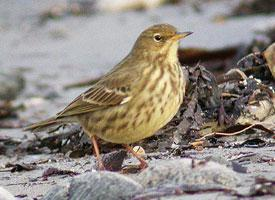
{"type": "Point", "coordinates": [159, 39]}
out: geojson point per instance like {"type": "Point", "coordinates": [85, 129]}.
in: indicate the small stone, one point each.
{"type": "Point", "coordinates": [139, 150]}
{"type": "Point", "coordinates": [113, 161]}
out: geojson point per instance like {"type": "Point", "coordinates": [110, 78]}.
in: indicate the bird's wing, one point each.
{"type": "Point", "coordinates": [113, 89]}
{"type": "Point", "coordinates": [97, 97]}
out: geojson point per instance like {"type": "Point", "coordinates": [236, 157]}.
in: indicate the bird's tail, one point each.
{"type": "Point", "coordinates": [45, 124]}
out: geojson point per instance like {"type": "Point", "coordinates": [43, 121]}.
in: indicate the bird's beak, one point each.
{"type": "Point", "coordinates": [180, 35]}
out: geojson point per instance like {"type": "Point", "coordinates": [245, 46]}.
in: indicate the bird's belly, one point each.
{"type": "Point", "coordinates": [162, 114]}
{"type": "Point", "coordinates": [138, 124]}
{"type": "Point", "coordinates": [138, 119]}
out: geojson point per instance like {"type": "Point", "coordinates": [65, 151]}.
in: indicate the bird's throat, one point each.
{"type": "Point", "coordinates": [172, 53]}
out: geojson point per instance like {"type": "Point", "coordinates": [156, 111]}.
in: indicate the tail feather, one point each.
{"type": "Point", "coordinates": [44, 125]}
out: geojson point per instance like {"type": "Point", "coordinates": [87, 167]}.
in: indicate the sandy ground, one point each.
{"type": "Point", "coordinates": [257, 162]}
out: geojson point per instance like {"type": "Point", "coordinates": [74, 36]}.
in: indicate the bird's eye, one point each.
{"type": "Point", "coordinates": [157, 37]}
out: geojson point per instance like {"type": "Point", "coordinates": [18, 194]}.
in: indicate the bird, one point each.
{"type": "Point", "coordinates": [135, 99]}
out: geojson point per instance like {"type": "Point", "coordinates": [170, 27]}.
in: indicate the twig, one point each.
{"type": "Point", "coordinates": [231, 134]}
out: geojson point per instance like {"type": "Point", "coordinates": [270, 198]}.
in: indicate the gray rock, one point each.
{"type": "Point", "coordinates": [12, 83]}
{"type": "Point", "coordinates": [57, 193]}
{"type": "Point", "coordinates": [96, 185]}
{"type": "Point", "coordinates": [187, 172]}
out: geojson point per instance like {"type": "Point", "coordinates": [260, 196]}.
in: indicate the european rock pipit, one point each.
{"type": "Point", "coordinates": [136, 98]}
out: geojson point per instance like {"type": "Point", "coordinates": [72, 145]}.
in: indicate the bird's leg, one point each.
{"type": "Point", "coordinates": [143, 163]}
{"type": "Point", "coordinates": [100, 164]}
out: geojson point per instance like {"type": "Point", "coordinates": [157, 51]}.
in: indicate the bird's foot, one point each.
{"type": "Point", "coordinates": [135, 168]}
{"type": "Point", "coordinates": [143, 165]}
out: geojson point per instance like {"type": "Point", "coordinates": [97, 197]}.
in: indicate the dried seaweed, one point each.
{"type": "Point", "coordinates": [214, 60]}
{"type": "Point", "coordinates": [252, 7]}
{"type": "Point", "coordinates": [238, 101]}
{"type": "Point", "coordinates": [55, 172]}
{"type": "Point", "coordinates": [201, 104]}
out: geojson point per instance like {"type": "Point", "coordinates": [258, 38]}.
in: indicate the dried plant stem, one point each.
{"type": "Point", "coordinates": [229, 134]}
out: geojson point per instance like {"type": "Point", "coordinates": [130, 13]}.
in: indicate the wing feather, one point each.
{"type": "Point", "coordinates": [95, 98]}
